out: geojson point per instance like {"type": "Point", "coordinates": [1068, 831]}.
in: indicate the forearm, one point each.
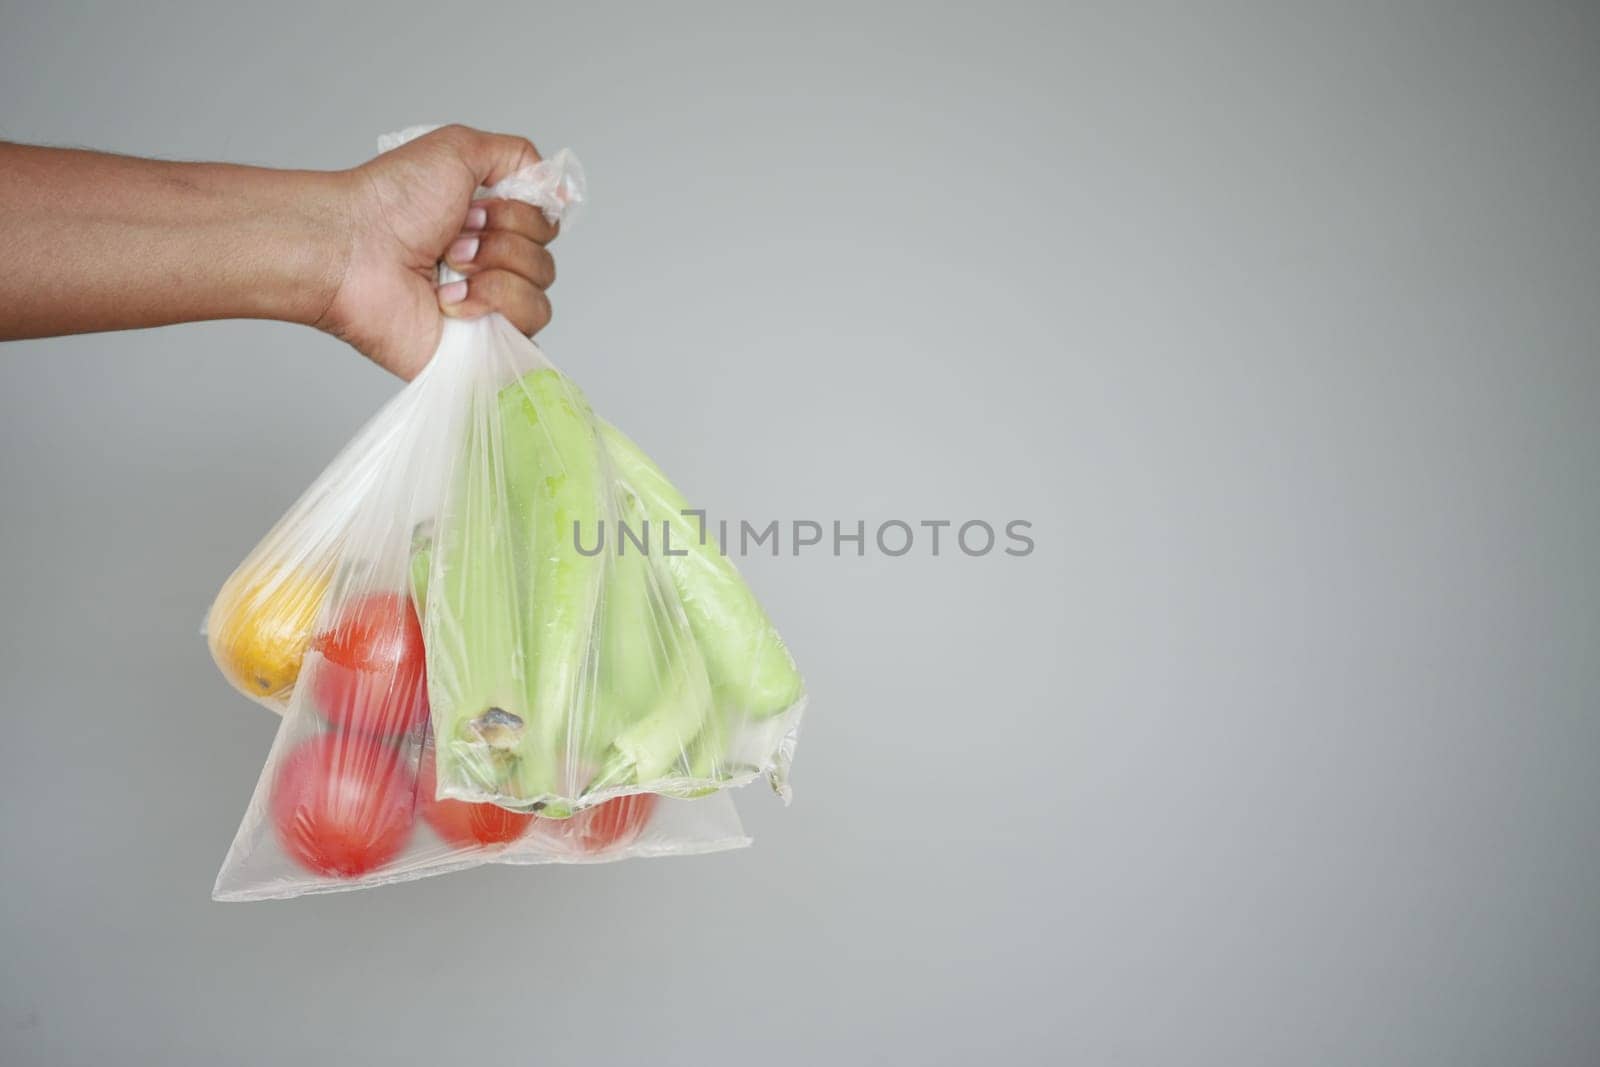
{"type": "Point", "coordinates": [101, 242]}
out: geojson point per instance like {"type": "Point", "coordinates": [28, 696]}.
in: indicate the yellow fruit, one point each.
{"type": "Point", "coordinates": [260, 627]}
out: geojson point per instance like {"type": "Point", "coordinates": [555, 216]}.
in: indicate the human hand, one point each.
{"type": "Point", "coordinates": [411, 207]}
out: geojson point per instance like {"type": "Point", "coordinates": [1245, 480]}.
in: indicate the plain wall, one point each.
{"type": "Point", "coordinates": [1280, 325]}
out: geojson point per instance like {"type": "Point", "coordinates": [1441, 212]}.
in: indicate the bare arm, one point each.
{"type": "Point", "coordinates": [104, 242]}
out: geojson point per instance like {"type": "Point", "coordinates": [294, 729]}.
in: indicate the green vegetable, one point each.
{"type": "Point", "coordinates": [513, 605]}
{"type": "Point", "coordinates": [553, 483]}
{"type": "Point", "coordinates": [751, 672]}
{"type": "Point", "coordinates": [471, 621]}
{"type": "Point", "coordinates": [421, 567]}
{"type": "Point", "coordinates": [654, 697]}
{"type": "Point", "coordinates": [553, 672]}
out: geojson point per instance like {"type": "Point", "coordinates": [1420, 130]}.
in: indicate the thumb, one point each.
{"type": "Point", "coordinates": [491, 156]}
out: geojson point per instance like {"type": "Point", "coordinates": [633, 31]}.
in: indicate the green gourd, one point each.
{"type": "Point", "coordinates": [751, 672]}
{"type": "Point", "coordinates": [511, 606]}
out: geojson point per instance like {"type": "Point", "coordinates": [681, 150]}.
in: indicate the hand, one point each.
{"type": "Point", "coordinates": [102, 242]}
{"type": "Point", "coordinates": [411, 207]}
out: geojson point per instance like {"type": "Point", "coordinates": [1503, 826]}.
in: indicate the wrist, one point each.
{"type": "Point", "coordinates": [310, 251]}
{"type": "Point", "coordinates": [274, 242]}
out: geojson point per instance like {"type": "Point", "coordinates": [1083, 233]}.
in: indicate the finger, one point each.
{"type": "Point", "coordinates": [474, 253]}
{"type": "Point", "coordinates": [518, 217]}
{"type": "Point", "coordinates": [491, 156]}
{"type": "Point", "coordinates": [512, 295]}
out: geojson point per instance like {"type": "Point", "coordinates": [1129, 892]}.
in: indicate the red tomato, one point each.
{"type": "Point", "coordinates": [372, 678]}
{"type": "Point", "coordinates": [461, 822]}
{"type": "Point", "coordinates": [609, 825]}
{"type": "Point", "coordinates": [341, 804]}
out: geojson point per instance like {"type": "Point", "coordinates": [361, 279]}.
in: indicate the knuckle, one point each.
{"type": "Point", "coordinates": [519, 255]}
{"type": "Point", "coordinates": [513, 145]}
{"type": "Point", "coordinates": [486, 287]}
{"type": "Point", "coordinates": [490, 249]}
{"type": "Point", "coordinates": [496, 213]}
{"type": "Point", "coordinates": [538, 312]}
{"type": "Point", "coordinates": [527, 220]}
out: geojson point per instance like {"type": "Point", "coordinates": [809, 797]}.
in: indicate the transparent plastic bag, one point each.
{"type": "Point", "coordinates": [496, 634]}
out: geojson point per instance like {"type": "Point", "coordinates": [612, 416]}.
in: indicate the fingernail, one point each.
{"type": "Point", "coordinates": [477, 218]}
{"type": "Point", "coordinates": [462, 249]}
{"type": "Point", "coordinates": [453, 293]}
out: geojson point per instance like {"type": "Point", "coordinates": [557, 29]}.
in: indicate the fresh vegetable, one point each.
{"type": "Point", "coordinates": [462, 823]}
{"type": "Point", "coordinates": [372, 675]}
{"type": "Point", "coordinates": [260, 626]}
{"type": "Point", "coordinates": [613, 824]}
{"type": "Point", "coordinates": [553, 483]}
{"type": "Point", "coordinates": [421, 566]}
{"type": "Point", "coordinates": [653, 694]}
{"type": "Point", "coordinates": [465, 579]}
{"type": "Point", "coordinates": [631, 654]}
{"type": "Point", "coordinates": [751, 672]}
{"type": "Point", "coordinates": [557, 673]}
{"type": "Point", "coordinates": [341, 804]}
{"type": "Point", "coordinates": [513, 613]}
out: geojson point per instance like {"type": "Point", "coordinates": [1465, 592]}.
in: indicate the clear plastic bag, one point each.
{"type": "Point", "coordinates": [496, 634]}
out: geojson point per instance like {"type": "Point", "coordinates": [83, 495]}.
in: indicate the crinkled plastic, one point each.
{"type": "Point", "coordinates": [496, 633]}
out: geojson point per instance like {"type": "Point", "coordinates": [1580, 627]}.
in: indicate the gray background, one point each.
{"type": "Point", "coordinates": [1280, 326]}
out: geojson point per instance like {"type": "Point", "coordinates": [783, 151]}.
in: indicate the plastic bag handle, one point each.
{"type": "Point", "coordinates": [556, 186]}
